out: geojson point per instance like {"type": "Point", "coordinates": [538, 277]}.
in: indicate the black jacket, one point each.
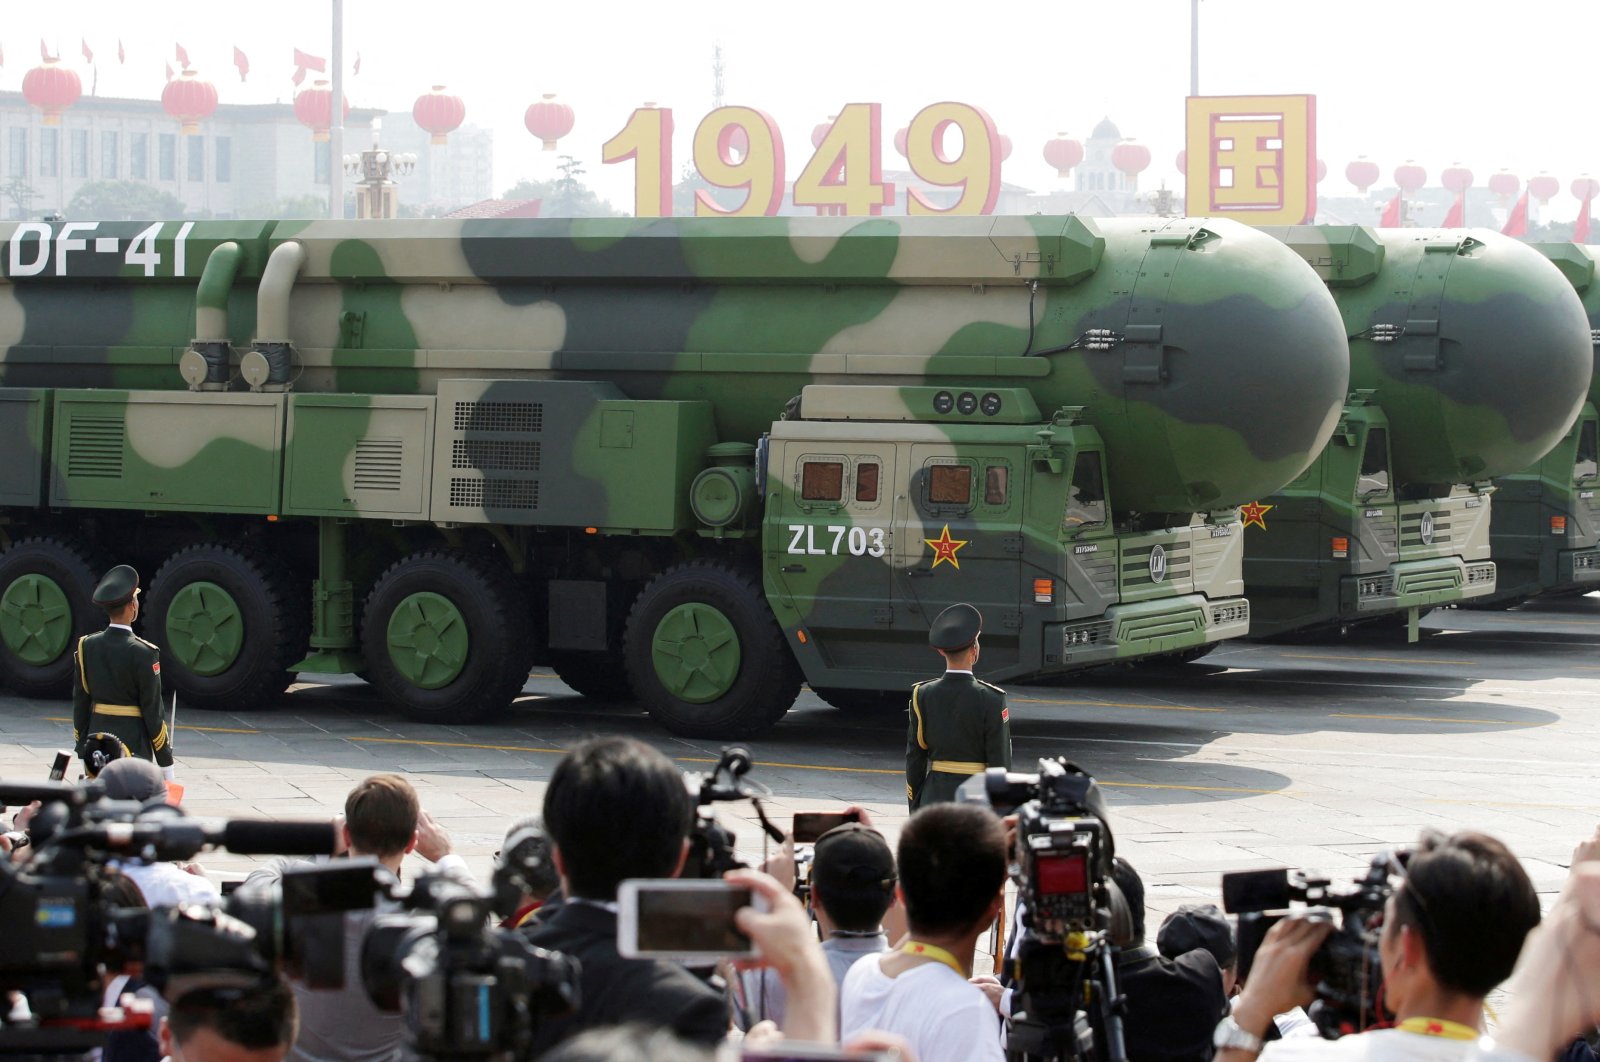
{"type": "Point", "coordinates": [1174, 1005]}
{"type": "Point", "coordinates": [617, 990]}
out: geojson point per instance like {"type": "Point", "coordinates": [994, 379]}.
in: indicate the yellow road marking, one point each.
{"type": "Point", "coordinates": [1433, 719]}
{"type": "Point", "coordinates": [1116, 704]}
{"type": "Point", "coordinates": [1374, 659]}
{"type": "Point", "coordinates": [1525, 618]}
{"type": "Point", "coordinates": [1196, 788]}
{"type": "Point", "coordinates": [458, 745]}
{"type": "Point", "coordinates": [186, 726]}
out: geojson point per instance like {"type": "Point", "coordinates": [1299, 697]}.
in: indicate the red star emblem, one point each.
{"type": "Point", "coordinates": [944, 548]}
{"type": "Point", "coordinates": [1255, 513]}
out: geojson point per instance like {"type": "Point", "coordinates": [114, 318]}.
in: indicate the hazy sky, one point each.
{"type": "Point", "coordinates": [1440, 81]}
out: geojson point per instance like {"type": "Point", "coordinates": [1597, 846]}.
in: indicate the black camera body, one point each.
{"type": "Point", "coordinates": [1346, 968]}
{"type": "Point", "coordinates": [712, 846]}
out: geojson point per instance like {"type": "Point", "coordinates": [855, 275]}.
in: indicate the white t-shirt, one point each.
{"type": "Point", "coordinates": [1380, 1045]}
{"type": "Point", "coordinates": [945, 1018]}
{"type": "Point", "coordinates": [167, 884]}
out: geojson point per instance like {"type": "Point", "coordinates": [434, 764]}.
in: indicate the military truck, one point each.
{"type": "Point", "coordinates": [1546, 530]}
{"type": "Point", "coordinates": [1469, 357]}
{"type": "Point", "coordinates": [698, 460]}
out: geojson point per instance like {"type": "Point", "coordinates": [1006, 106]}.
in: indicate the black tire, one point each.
{"type": "Point", "coordinates": [74, 570]}
{"type": "Point", "coordinates": [768, 679]}
{"type": "Point", "coordinates": [272, 607]}
{"type": "Point", "coordinates": [597, 676]}
{"type": "Point", "coordinates": [500, 647]}
{"type": "Point", "coordinates": [865, 702]}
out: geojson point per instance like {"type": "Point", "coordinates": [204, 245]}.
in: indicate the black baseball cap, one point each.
{"type": "Point", "coordinates": [852, 858]}
{"type": "Point", "coordinates": [1198, 925]}
{"type": "Point", "coordinates": [130, 778]}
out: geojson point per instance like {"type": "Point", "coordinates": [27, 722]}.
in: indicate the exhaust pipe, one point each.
{"type": "Point", "coordinates": [204, 366]}
{"type": "Point", "coordinates": [268, 364]}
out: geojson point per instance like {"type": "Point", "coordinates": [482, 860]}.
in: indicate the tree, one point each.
{"type": "Point", "coordinates": [123, 201]}
{"type": "Point", "coordinates": [566, 196]}
{"type": "Point", "coordinates": [21, 194]}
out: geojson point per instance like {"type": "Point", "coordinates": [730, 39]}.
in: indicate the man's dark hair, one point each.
{"type": "Point", "coordinates": [616, 809]}
{"type": "Point", "coordinates": [855, 910]}
{"type": "Point", "coordinates": [952, 860]}
{"type": "Point", "coordinates": [261, 1018]}
{"type": "Point", "coordinates": [629, 1043]}
{"type": "Point", "coordinates": [382, 814]}
{"type": "Point", "coordinates": [1473, 905]}
{"type": "Point", "coordinates": [1128, 882]}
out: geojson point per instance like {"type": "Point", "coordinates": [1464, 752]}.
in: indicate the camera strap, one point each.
{"type": "Point", "coordinates": [934, 952]}
{"type": "Point", "coordinates": [1449, 1030]}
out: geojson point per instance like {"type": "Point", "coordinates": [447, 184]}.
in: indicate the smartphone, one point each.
{"type": "Point", "coordinates": [58, 767]}
{"type": "Point", "coordinates": [690, 921]}
{"type": "Point", "coordinates": [810, 825]}
{"type": "Point", "coordinates": [788, 1051]}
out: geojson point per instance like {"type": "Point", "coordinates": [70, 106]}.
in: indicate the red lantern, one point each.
{"type": "Point", "coordinates": [1457, 178]}
{"type": "Point", "coordinates": [313, 107]}
{"type": "Point", "coordinates": [1363, 173]}
{"type": "Point", "coordinates": [1585, 187]}
{"type": "Point", "coordinates": [1504, 184]}
{"type": "Point", "coordinates": [439, 114]}
{"type": "Point", "coordinates": [1543, 187]}
{"type": "Point", "coordinates": [52, 88]}
{"type": "Point", "coordinates": [1005, 147]}
{"type": "Point", "coordinates": [1130, 158]}
{"type": "Point", "coordinates": [548, 120]}
{"type": "Point", "coordinates": [1063, 153]}
{"type": "Point", "coordinates": [1182, 161]}
{"type": "Point", "coordinates": [191, 100]}
{"type": "Point", "coordinates": [900, 141]}
{"type": "Point", "coordinates": [1410, 177]}
{"type": "Point", "coordinates": [1322, 170]}
{"type": "Point", "coordinates": [818, 132]}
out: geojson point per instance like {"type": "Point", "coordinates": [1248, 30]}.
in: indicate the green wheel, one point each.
{"type": "Point", "coordinates": [428, 640]}
{"type": "Point", "coordinates": [230, 623]}
{"type": "Point", "coordinates": [447, 636]}
{"type": "Point", "coordinates": [705, 655]}
{"type": "Point", "coordinates": [45, 605]}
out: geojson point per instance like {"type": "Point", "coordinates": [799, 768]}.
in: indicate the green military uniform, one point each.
{"type": "Point", "coordinates": [116, 685]}
{"type": "Point", "coordinates": [959, 725]}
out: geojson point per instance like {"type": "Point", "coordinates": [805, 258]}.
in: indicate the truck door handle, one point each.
{"type": "Point", "coordinates": [792, 569]}
{"type": "Point", "coordinates": [917, 572]}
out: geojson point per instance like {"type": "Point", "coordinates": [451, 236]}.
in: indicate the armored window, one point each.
{"type": "Point", "coordinates": [995, 478]}
{"type": "Point", "coordinates": [950, 484]}
{"type": "Point", "coordinates": [224, 150]}
{"type": "Point", "coordinates": [822, 481]}
{"type": "Point", "coordinates": [1086, 498]}
{"type": "Point", "coordinates": [49, 152]}
{"type": "Point", "coordinates": [17, 149]}
{"type": "Point", "coordinates": [168, 146]}
{"type": "Point", "coordinates": [109, 143]}
{"type": "Point", "coordinates": [1586, 466]}
{"type": "Point", "coordinates": [1374, 464]}
{"type": "Point", "coordinates": [867, 481]}
{"type": "Point", "coordinates": [139, 156]}
{"type": "Point", "coordinates": [78, 144]}
{"type": "Point", "coordinates": [197, 158]}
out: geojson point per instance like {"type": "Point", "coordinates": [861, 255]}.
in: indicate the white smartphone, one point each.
{"type": "Point", "coordinates": [686, 920]}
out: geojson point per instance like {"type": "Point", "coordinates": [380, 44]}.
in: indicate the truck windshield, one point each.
{"type": "Point", "coordinates": [1586, 466]}
{"type": "Point", "coordinates": [1086, 498]}
{"type": "Point", "coordinates": [1374, 464]}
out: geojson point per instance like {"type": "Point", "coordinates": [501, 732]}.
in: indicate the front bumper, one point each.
{"type": "Point", "coordinates": [1414, 584]}
{"type": "Point", "coordinates": [1147, 628]}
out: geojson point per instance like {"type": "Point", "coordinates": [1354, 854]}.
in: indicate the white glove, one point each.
{"type": "Point", "coordinates": [169, 773]}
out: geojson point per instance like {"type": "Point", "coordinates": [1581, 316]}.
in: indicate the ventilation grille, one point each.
{"type": "Point", "coordinates": [379, 464]}
{"type": "Point", "coordinates": [500, 416]}
{"type": "Point", "coordinates": [94, 448]}
{"type": "Point", "coordinates": [493, 494]}
{"type": "Point", "coordinates": [486, 455]}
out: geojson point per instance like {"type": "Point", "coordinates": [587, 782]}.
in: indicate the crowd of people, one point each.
{"type": "Point", "coordinates": [880, 957]}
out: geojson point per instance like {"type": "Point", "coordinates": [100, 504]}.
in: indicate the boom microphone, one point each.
{"type": "Point", "coordinates": [265, 837]}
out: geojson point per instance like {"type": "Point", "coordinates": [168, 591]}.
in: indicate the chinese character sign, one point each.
{"type": "Point", "coordinates": [1253, 158]}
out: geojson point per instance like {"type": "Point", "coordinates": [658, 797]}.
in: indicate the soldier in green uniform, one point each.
{"type": "Point", "coordinates": [116, 687]}
{"type": "Point", "coordinates": [959, 724]}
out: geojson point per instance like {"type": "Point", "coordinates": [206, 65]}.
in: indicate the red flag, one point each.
{"type": "Point", "coordinates": [1517, 220]}
{"type": "Point", "coordinates": [122, 57]}
{"type": "Point", "coordinates": [169, 72]}
{"type": "Point", "coordinates": [1391, 214]}
{"type": "Point", "coordinates": [1456, 216]}
{"type": "Point", "coordinates": [306, 61]}
{"type": "Point", "coordinates": [182, 55]}
{"type": "Point", "coordinates": [240, 61]}
{"type": "Point", "coordinates": [357, 69]}
{"type": "Point", "coordinates": [1580, 231]}
{"type": "Point", "coordinates": [88, 55]}
{"type": "Point", "coordinates": [299, 75]}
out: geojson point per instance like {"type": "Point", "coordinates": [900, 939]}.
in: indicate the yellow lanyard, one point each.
{"type": "Point", "coordinates": [1450, 1030]}
{"type": "Point", "coordinates": [937, 954]}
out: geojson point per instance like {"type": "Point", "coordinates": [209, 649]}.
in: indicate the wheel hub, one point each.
{"type": "Point", "coordinates": [35, 619]}
{"type": "Point", "coordinates": [205, 629]}
{"type": "Point", "coordinates": [428, 640]}
{"type": "Point", "coordinates": [696, 653]}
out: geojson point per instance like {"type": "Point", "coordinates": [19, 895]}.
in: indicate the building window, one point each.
{"type": "Point", "coordinates": [224, 167]}
{"type": "Point", "coordinates": [108, 155]}
{"type": "Point", "coordinates": [197, 158]}
{"type": "Point", "coordinates": [49, 153]}
{"type": "Point", "coordinates": [323, 152]}
{"type": "Point", "coordinates": [169, 157]}
{"type": "Point", "coordinates": [139, 156]}
{"type": "Point", "coordinates": [17, 150]}
{"type": "Point", "coordinates": [80, 152]}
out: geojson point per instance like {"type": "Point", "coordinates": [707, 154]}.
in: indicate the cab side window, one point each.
{"type": "Point", "coordinates": [1086, 497]}
{"type": "Point", "coordinates": [822, 481]}
{"type": "Point", "coordinates": [996, 480]}
{"type": "Point", "coordinates": [867, 482]}
{"type": "Point", "coordinates": [950, 486]}
{"type": "Point", "coordinates": [1374, 464]}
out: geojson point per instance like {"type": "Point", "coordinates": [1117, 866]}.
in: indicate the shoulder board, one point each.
{"type": "Point", "coordinates": [924, 682]}
{"type": "Point", "coordinates": [992, 686]}
{"type": "Point", "coordinates": [152, 646]}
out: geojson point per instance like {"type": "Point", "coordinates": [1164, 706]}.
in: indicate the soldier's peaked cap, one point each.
{"type": "Point", "coordinates": [117, 588]}
{"type": "Point", "coordinates": [955, 628]}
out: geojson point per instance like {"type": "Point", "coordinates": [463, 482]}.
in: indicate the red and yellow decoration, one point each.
{"type": "Point", "coordinates": [1255, 514]}
{"type": "Point", "coordinates": [190, 99]}
{"type": "Point", "coordinates": [1253, 158]}
{"type": "Point", "coordinates": [52, 88]}
{"type": "Point", "coordinates": [438, 114]}
{"type": "Point", "coordinates": [945, 548]}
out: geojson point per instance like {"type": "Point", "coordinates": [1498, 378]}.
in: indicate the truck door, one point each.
{"type": "Point", "coordinates": [961, 540]}
{"type": "Point", "coordinates": [1083, 533]}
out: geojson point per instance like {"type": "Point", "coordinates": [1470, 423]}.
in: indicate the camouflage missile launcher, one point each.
{"type": "Point", "coordinates": [1469, 356]}
{"type": "Point", "coordinates": [695, 460]}
{"type": "Point", "coordinates": [1546, 531]}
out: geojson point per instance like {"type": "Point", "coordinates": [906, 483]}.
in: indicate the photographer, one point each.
{"type": "Point", "coordinates": [616, 808]}
{"type": "Point", "coordinates": [383, 819]}
{"type": "Point", "coordinates": [230, 1026]}
{"type": "Point", "coordinates": [163, 884]}
{"type": "Point", "coordinates": [952, 861]}
{"type": "Point", "coordinates": [1452, 930]}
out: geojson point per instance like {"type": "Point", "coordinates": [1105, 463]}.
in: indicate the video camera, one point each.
{"type": "Point", "coordinates": [1346, 967]}
{"type": "Point", "coordinates": [711, 845]}
{"type": "Point", "coordinates": [1067, 1005]}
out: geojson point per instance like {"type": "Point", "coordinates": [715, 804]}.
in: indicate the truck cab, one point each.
{"type": "Point", "coordinates": [1546, 533]}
